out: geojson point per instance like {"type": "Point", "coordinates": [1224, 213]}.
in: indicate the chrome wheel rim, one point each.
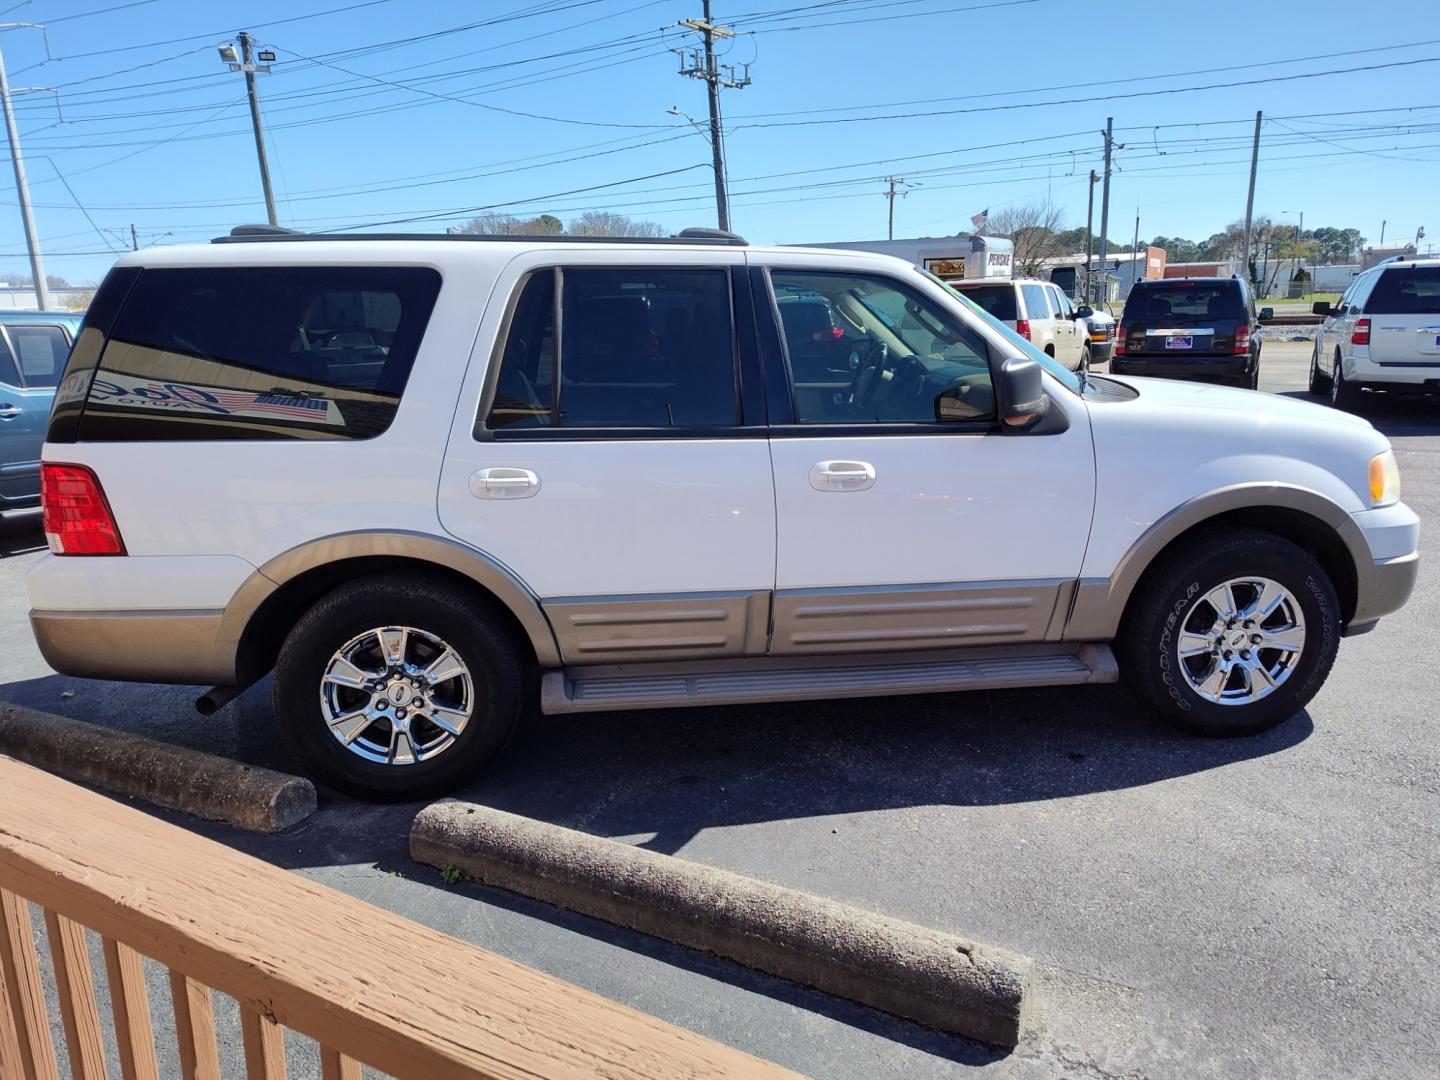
{"type": "Point", "coordinates": [396, 695]}
{"type": "Point", "coordinates": [1241, 641]}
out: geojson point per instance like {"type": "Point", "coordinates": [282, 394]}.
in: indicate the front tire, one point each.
{"type": "Point", "coordinates": [1084, 360]}
{"type": "Point", "coordinates": [1232, 633]}
{"type": "Point", "coordinates": [396, 687]}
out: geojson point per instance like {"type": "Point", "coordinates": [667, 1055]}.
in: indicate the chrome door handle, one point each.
{"type": "Point", "coordinates": [10, 412]}
{"type": "Point", "coordinates": [842, 476]}
{"type": "Point", "coordinates": [504, 483]}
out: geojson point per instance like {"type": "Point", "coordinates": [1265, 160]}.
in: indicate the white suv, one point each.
{"type": "Point", "coordinates": [1384, 333]}
{"type": "Point", "coordinates": [423, 478]}
{"type": "Point", "coordinates": [1039, 312]}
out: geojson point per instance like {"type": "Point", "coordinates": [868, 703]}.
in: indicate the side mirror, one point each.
{"type": "Point", "coordinates": [1084, 311]}
{"type": "Point", "coordinates": [1321, 307]}
{"type": "Point", "coordinates": [1020, 392]}
{"type": "Point", "coordinates": [1266, 314]}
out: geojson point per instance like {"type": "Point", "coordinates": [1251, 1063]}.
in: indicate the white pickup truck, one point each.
{"type": "Point", "coordinates": [422, 478]}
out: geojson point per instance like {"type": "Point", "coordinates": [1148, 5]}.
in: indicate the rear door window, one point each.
{"type": "Point", "coordinates": [1037, 305]}
{"type": "Point", "coordinates": [1412, 290]}
{"type": "Point", "coordinates": [638, 348]}
{"type": "Point", "coordinates": [41, 352]}
{"type": "Point", "coordinates": [257, 353]}
{"type": "Point", "coordinates": [9, 373]}
{"type": "Point", "coordinates": [998, 300]}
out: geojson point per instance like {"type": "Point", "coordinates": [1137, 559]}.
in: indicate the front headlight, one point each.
{"type": "Point", "coordinates": [1384, 479]}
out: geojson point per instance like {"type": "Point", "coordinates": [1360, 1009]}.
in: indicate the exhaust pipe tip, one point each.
{"type": "Point", "coordinates": [216, 698]}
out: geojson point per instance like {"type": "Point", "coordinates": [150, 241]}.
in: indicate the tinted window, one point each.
{"type": "Point", "coordinates": [1036, 302]}
{"type": "Point", "coordinates": [998, 300]}
{"type": "Point", "coordinates": [1190, 301]}
{"type": "Point", "coordinates": [41, 351]}
{"type": "Point", "coordinates": [8, 372]}
{"type": "Point", "coordinates": [651, 348]}
{"type": "Point", "coordinates": [523, 393]}
{"type": "Point", "coordinates": [1414, 290]}
{"type": "Point", "coordinates": [1061, 303]}
{"type": "Point", "coordinates": [257, 353]}
{"type": "Point", "coordinates": [871, 350]}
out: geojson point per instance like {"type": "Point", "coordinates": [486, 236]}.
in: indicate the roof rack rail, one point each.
{"type": "Point", "coordinates": [249, 234]}
{"type": "Point", "coordinates": [262, 230]}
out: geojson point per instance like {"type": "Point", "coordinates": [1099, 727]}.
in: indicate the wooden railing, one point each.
{"type": "Point", "coordinates": [367, 985]}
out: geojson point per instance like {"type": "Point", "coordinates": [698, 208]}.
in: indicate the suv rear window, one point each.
{"type": "Point", "coordinates": [1191, 300]}
{"type": "Point", "coordinates": [998, 300]}
{"type": "Point", "coordinates": [253, 353]}
{"type": "Point", "coordinates": [1411, 290]}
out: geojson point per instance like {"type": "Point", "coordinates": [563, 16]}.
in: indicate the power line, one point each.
{"type": "Point", "coordinates": [523, 202]}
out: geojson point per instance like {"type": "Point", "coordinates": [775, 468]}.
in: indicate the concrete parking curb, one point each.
{"type": "Point", "coordinates": [214, 788]}
{"type": "Point", "coordinates": [931, 977]}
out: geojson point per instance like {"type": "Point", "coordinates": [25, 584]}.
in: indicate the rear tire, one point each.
{"type": "Point", "coordinates": [417, 730]}
{"type": "Point", "coordinates": [1343, 394]}
{"type": "Point", "coordinates": [1216, 691]}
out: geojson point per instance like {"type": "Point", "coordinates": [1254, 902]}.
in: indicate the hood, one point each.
{"type": "Point", "coordinates": [1248, 403]}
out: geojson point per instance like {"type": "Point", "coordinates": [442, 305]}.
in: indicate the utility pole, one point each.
{"type": "Point", "coordinates": [22, 186]}
{"type": "Point", "coordinates": [890, 195]}
{"type": "Point", "coordinates": [702, 65]}
{"type": "Point", "coordinates": [246, 62]}
{"type": "Point", "coordinates": [1090, 240]}
{"type": "Point", "coordinates": [1250, 198]}
{"type": "Point", "coordinates": [1382, 233]}
{"type": "Point", "coordinates": [1135, 266]}
{"type": "Point", "coordinates": [134, 238]}
{"type": "Point", "coordinates": [1105, 202]}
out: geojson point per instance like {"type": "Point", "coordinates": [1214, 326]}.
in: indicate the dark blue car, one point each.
{"type": "Point", "coordinates": [33, 348]}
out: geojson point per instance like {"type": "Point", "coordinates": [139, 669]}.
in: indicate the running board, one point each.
{"type": "Point", "coordinates": [761, 679]}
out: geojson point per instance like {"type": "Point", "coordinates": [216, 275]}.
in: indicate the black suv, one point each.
{"type": "Point", "coordinates": [1190, 328]}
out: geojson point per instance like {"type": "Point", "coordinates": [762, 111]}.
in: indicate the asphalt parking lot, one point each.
{"type": "Point", "coordinates": [1246, 908]}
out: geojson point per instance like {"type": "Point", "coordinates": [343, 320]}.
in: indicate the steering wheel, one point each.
{"type": "Point", "coordinates": [868, 373]}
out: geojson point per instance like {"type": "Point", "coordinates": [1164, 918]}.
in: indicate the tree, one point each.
{"type": "Point", "coordinates": [605, 223]}
{"type": "Point", "coordinates": [1337, 245]}
{"type": "Point", "coordinates": [493, 224]}
{"type": "Point", "coordinates": [1034, 229]}
{"type": "Point", "coordinates": [23, 281]}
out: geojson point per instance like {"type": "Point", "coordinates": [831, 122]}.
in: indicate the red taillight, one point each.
{"type": "Point", "coordinates": [1361, 334]}
{"type": "Point", "coordinates": [1242, 341]}
{"type": "Point", "coordinates": [77, 517]}
{"type": "Point", "coordinates": [1120, 340]}
{"type": "Point", "coordinates": [1022, 327]}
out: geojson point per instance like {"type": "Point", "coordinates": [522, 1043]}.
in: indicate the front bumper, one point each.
{"type": "Point", "coordinates": [1383, 588]}
{"type": "Point", "coordinates": [1392, 534]}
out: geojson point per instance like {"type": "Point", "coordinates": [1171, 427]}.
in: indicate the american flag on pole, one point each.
{"type": "Point", "coordinates": [979, 220]}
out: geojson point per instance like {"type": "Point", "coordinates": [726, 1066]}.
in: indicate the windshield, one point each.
{"type": "Point", "coordinates": [1018, 343]}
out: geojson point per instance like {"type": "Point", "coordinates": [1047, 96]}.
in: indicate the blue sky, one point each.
{"type": "Point", "coordinates": [398, 109]}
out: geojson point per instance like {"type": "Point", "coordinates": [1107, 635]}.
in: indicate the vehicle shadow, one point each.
{"type": "Point", "coordinates": [1394, 415]}
{"type": "Point", "coordinates": [20, 533]}
{"type": "Point", "coordinates": [667, 775]}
